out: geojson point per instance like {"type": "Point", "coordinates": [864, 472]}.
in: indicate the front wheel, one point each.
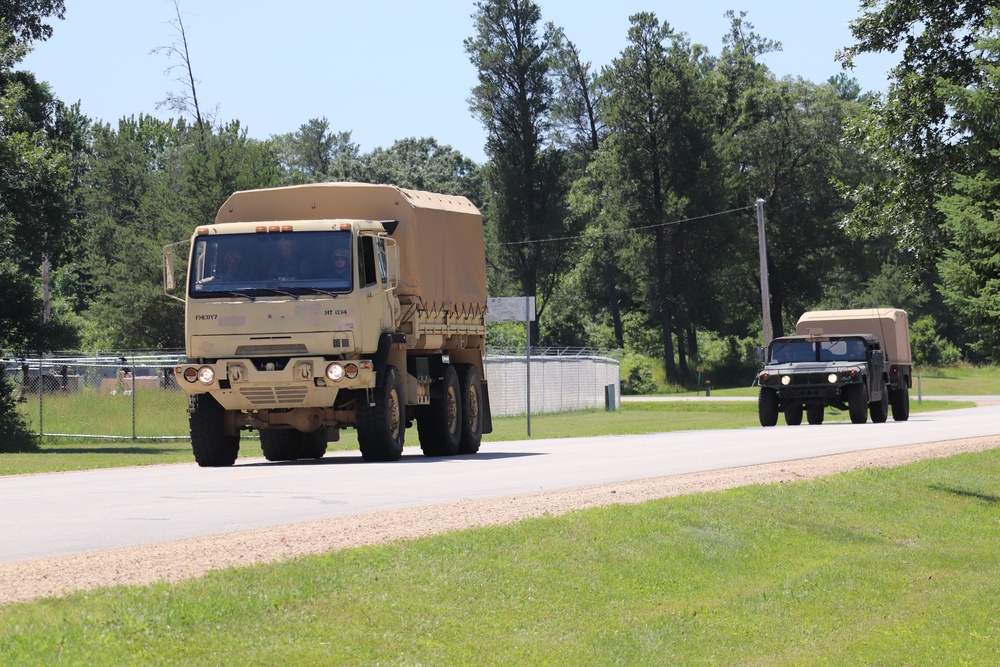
{"type": "Point", "coordinates": [211, 446]}
{"type": "Point", "coordinates": [382, 425]}
{"type": "Point", "coordinates": [767, 406]}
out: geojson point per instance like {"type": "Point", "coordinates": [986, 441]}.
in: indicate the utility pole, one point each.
{"type": "Point", "coordinates": [765, 290]}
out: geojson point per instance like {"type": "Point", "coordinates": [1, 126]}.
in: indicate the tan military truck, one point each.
{"type": "Point", "coordinates": [854, 360]}
{"type": "Point", "coordinates": [314, 308]}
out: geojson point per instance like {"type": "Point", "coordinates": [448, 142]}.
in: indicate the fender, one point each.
{"type": "Point", "coordinates": [385, 343]}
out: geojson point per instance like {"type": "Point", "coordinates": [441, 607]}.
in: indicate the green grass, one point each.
{"type": "Point", "coordinates": [878, 567]}
{"type": "Point", "coordinates": [64, 454]}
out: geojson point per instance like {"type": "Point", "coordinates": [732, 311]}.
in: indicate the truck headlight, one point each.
{"type": "Point", "coordinates": [786, 380]}
{"type": "Point", "coordinates": [335, 372]}
{"type": "Point", "coordinates": [832, 378]}
{"type": "Point", "coordinates": [206, 375]}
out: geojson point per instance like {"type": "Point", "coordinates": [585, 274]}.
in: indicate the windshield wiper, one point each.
{"type": "Point", "coordinates": [316, 290]}
{"type": "Point", "coordinates": [241, 293]}
{"type": "Point", "coordinates": [278, 291]}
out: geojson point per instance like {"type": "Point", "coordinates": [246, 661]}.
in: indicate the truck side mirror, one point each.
{"type": "Point", "coordinates": [759, 355]}
{"type": "Point", "coordinates": [878, 358]}
{"type": "Point", "coordinates": [169, 281]}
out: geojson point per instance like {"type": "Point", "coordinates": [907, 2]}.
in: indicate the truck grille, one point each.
{"type": "Point", "coordinates": [265, 396]}
{"type": "Point", "coordinates": [286, 350]}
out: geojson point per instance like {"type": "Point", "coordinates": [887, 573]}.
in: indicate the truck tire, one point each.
{"type": "Point", "coordinates": [900, 401]}
{"type": "Point", "coordinates": [439, 425]}
{"type": "Point", "coordinates": [382, 427]}
{"type": "Point", "coordinates": [472, 409]}
{"type": "Point", "coordinates": [880, 409]}
{"type": "Point", "coordinates": [313, 445]}
{"type": "Point", "coordinates": [280, 444]}
{"type": "Point", "coordinates": [211, 446]}
{"type": "Point", "coordinates": [815, 414]}
{"type": "Point", "coordinates": [793, 415]}
{"type": "Point", "coordinates": [767, 406]}
{"type": "Point", "coordinates": [857, 403]}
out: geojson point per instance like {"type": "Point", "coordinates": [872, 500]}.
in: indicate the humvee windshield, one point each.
{"type": "Point", "coordinates": [842, 349]}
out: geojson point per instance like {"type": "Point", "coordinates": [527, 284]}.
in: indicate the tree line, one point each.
{"type": "Point", "coordinates": [620, 195]}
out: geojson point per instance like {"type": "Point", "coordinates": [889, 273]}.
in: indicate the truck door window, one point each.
{"type": "Point", "coordinates": [366, 260]}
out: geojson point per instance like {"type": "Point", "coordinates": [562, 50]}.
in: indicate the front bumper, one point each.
{"type": "Point", "coordinates": [238, 384]}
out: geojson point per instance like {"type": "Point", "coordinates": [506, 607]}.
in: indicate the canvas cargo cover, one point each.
{"type": "Point", "coordinates": [440, 237]}
{"type": "Point", "coordinates": [890, 325]}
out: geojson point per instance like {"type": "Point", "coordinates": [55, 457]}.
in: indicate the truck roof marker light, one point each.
{"type": "Point", "coordinates": [201, 231]}
{"type": "Point", "coordinates": [273, 229]}
{"type": "Point", "coordinates": [260, 229]}
{"type": "Point", "coordinates": [287, 228]}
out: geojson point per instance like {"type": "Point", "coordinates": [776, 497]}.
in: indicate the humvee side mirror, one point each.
{"type": "Point", "coordinates": [878, 358]}
{"type": "Point", "coordinates": [759, 355]}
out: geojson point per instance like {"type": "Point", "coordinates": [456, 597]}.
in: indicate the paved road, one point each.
{"type": "Point", "coordinates": [67, 513]}
{"type": "Point", "coordinates": [913, 398]}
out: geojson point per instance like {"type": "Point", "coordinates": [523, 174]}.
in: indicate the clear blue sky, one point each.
{"type": "Point", "coordinates": [382, 70]}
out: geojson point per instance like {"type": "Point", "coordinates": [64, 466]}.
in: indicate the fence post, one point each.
{"type": "Point", "coordinates": [41, 406]}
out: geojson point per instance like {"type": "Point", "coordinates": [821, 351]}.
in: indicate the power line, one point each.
{"type": "Point", "coordinates": [624, 231]}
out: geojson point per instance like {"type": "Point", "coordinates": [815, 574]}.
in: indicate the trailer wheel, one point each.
{"type": "Point", "coordinates": [900, 400]}
{"type": "Point", "coordinates": [211, 446]}
{"type": "Point", "coordinates": [857, 403]}
{"type": "Point", "coordinates": [439, 425]}
{"type": "Point", "coordinates": [382, 427]}
{"type": "Point", "coordinates": [880, 409]}
{"type": "Point", "coordinates": [767, 406]}
{"type": "Point", "coordinates": [815, 414]}
{"type": "Point", "coordinates": [472, 409]}
{"type": "Point", "coordinates": [793, 415]}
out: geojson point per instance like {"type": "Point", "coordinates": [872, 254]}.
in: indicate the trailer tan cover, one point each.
{"type": "Point", "coordinates": [443, 259]}
{"type": "Point", "coordinates": [890, 325]}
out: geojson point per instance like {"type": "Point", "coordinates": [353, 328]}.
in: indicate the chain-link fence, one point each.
{"type": "Point", "coordinates": [562, 380]}
{"type": "Point", "coordinates": [134, 395]}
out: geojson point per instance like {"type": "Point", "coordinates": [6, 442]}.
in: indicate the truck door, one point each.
{"type": "Point", "coordinates": [377, 311]}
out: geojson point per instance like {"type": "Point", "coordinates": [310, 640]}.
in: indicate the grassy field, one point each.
{"type": "Point", "coordinates": [62, 454]}
{"type": "Point", "coordinates": [878, 567]}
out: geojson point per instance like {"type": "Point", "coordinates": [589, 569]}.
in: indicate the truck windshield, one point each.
{"type": "Point", "coordinates": [267, 264]}
{"type": "Point", "coordinates": [843, 349]}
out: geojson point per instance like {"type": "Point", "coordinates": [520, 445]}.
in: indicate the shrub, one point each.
{"type": "Point", "coordinates": [928, 348]}
{"type": "Point", "coordinates": [14, 433]}
{"type": "Point", "coordinates": [637, 375]}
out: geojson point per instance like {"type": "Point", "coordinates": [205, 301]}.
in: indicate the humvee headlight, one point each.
{"type": "Point", "coordinates": [335, 372]}
{"type": "Point", "coordinates": [206, 375]}
{"type": "Point", "coordinates": [786, 380]}
{"type": "Point", "coordinates": [832, 378]}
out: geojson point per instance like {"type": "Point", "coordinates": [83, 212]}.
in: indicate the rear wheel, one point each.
{"type": "Point", "coordinates": [209, 442]}
{"type": "Point", "coordinates": [857, 403]}
{"type": "Point", "coordinates": [900, 400]}
{"type": "Point", "coordinates": [793, 415]}
{"type": "Point", "coordinates": [767, 406]}
{"type": "Point", "coordinates": [815, 414]}
{"type": "Point", "coordinates": [439, 425]}
{"type": "Point", "coordinates": [280, 444]}
{"type": "Point", "coordinates": [382, 426]}
{"type": "Point", "coordinates": [472, 408]}
{"type": "Point", "coordinates": [880, 409]}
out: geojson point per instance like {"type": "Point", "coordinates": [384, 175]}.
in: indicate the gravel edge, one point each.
{"type": "Point", "coordinates": [186, 559]}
